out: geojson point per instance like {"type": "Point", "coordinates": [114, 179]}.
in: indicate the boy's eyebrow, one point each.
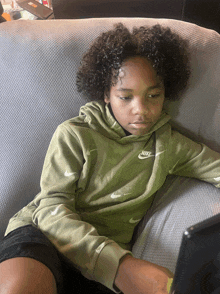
{"type": "Point", "coordinates": [157, 86]}
{"type": "Point", "coordinates": [124, 89]}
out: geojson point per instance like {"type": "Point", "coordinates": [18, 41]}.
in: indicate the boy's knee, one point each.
{"type": "Point", "coordinates": [26, 275]}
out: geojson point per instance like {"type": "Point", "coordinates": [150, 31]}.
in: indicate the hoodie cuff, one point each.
{"type": "Point", "coordinates": [107, 265]}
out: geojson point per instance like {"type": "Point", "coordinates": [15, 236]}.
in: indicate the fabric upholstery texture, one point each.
{"type": "Point", "coordinates": [38, 61]}
{"type": "Point", "coordinates": [181, 203]}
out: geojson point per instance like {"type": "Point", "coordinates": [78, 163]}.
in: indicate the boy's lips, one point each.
{"type": "Point", "coordinates": [144, 122]}
{"type": "Point", "coordinates": [141, 124]}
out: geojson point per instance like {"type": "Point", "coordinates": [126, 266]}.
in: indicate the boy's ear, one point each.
{"type": "Point", "coordinates": [106, 98]}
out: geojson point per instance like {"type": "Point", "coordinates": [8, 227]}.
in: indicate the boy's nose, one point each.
{"type": "Point", "coordinates": [140, 107]}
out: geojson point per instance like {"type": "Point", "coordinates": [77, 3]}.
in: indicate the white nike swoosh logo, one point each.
{"type": "Point", "coordinates": [67, 174]}
{"type": "Point", "coordinates": [159, 153]}
{"type": "Point", "coordinates": [217, 179]}
{"type": "Point", "coordinates": [114, 196]}
{"type": "Point", "coordinates": [142, 156]}
{"type": "Point", "coordinates": [145, 156]}
{"type": "Point", "coordinates": [134, 221]}
{"type": "Point", "coordinates": [56, 210]}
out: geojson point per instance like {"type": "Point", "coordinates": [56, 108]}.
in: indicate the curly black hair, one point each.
{"type": "Point", "coordinates": [166, 50]}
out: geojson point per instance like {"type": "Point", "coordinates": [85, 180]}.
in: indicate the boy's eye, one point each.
{"type": "Point", "coordinates": [154, 95]}
{"type": "Point", "coordinates": [125, 98]}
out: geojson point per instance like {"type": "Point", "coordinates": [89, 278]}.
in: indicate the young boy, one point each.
{"type": "Point", "coordinates": [101, 171]}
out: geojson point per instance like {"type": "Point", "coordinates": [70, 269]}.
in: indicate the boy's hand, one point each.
{"type": "Point", "coordinates": [136, 276]}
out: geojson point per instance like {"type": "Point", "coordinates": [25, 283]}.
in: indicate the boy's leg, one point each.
{"type": "Point", "coordinates": [28, 259]}
{"type": "Point", "coordinates": [29, 263]}
{"type": "Point", "coordinates": [26, 275]}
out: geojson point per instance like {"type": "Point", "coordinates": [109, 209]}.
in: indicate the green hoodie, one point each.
{"type": "Point", "coordinates": [97, 184]}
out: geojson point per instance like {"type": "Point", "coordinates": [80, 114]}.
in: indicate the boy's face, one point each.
{"type": "Point", "coordinates": [138, 96]}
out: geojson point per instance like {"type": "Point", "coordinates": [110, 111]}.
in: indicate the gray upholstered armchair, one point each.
{"type": "Point", "coordinates": [38, 62]}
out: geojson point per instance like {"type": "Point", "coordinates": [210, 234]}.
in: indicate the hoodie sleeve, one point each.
{"type": "Point", "coordinates": [97, 257]}
{"type": "Point", "coordinates": [190, 159]}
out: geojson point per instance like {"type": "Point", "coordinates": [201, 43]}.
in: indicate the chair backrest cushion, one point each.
{"type": "Point", "coordinates": [38, 62]}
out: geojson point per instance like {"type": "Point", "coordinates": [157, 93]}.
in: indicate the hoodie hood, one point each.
{"type": "Point", "coordinates": [97, 115]}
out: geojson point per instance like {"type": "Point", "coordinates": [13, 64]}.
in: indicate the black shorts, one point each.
{"type": "Point", "coordinates": [30, 242]}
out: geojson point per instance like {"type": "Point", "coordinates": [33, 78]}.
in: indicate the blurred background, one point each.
{"type": "Point", "coordinates": [202, 12]}
{"type": "Point", "coordinates": [12, 11]}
